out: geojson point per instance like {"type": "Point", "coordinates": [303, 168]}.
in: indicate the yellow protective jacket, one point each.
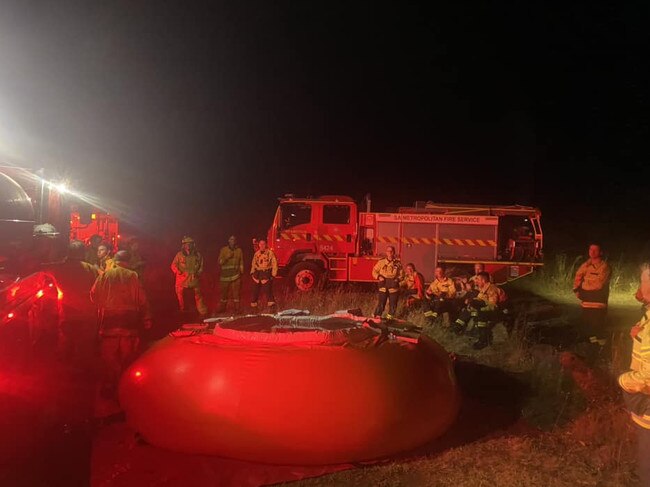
{"type": "Point", "coordinates": [591, 276]}
{"type": "Point", "coordinates": [444, 288]}
{"type": "Point", "coordinates": [105, 264]}
{"type": "Point", "coordinates": [490, 296]}
{"type": "Point", "coordinates": [188, 268]}
{"type": "Point", "coordinates": [264, 260]}
{"type": "Point", "coordinates": [391, 271]}
{"type": "Point", "coordinates": [415, 284]}
{"type": "Point", "coordinates": [592, 284]}
{"type": "Point", "coordinates": [231, 262]}
{"type": "Point", "coordinates": [636, 382]}
{"type": "Point", "coordinates": [119, 291]}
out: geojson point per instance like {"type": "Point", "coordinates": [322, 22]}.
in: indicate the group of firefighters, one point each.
{"type": "Point", "coordinates": [474, 298]}
{"type": "Point", "coordinates": [467, 299]}
{"type": "Point", "coordinates": [98, 284]}
{"type": "Point", "coordinates": [188, 266]}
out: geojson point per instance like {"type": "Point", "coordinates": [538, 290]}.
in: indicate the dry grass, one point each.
{"type": "Point", "coordinates": [561, 439]}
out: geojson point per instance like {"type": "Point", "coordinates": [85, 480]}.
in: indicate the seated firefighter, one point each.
{"type": "Point", "coordinates": [413, 285]}
{"type": "Point", "coordinates": [441, 294]}
{"type": "Point", "coordinates": [483, 308]}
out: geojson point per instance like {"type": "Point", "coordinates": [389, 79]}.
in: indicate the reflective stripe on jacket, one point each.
{"type": "Point", "coordinates": [231, 262]}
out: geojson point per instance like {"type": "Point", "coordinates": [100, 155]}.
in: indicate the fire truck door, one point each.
{"type": "Point", "coordinates": [296, 230]}
{"type": "Point", "coordinates": [337, 229]}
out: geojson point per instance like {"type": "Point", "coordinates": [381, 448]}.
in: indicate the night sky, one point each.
{"type": "Point", "coordinates": [194, 117]}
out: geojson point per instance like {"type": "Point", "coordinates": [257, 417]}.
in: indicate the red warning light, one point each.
{"type": "Point", "coordinates": [93, 216]}
{"type": "Point", "coordinates": [137, 374]}
{"type": "Point", "coordinates": [10, 315]}
{"type": "Point", "coordinates": [51, 284]}
{"type": "Point", "coordinates": [59, 294]}
{"type": "Point", "coordinates": [40, 294]}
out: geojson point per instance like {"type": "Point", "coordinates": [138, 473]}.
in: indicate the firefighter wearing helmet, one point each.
{"type": "Point", "coordinates": [263, 269]}
{"type": "Point", "coordinates": [389, 273]}
{"type": "Point", "coordinates": [188, 266]}
{"type": "Point", "coordinates": [231, 263]}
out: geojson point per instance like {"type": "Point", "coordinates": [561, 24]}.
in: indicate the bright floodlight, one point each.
{"type": "Point", "coordinates": [61, 188]}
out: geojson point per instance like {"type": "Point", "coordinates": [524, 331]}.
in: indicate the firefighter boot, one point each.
{"type": "Point", "coordinates": [484, 338]}
{"type": "Point", "coordinates": [458, 326]}
{"type": "Point", "coordinates": [430, 317]}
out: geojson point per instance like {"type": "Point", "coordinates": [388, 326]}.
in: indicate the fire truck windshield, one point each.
{"type": "Point", "coordinates": [294, 214]}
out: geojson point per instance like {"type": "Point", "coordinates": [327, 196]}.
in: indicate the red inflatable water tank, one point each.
{"type": "Point", "coordinates": [269, 390]}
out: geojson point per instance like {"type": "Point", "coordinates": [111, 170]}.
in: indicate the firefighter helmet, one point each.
{"type": "Point", "coordinates": [187, 240]}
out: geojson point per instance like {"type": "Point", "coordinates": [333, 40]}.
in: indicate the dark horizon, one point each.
{"type": "Point", "coordinates": [196, 118]}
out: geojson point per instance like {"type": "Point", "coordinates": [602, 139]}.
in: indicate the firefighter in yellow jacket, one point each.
{"type": "Point", "coordinates": [123, 314]}
{"type": "Point", "coordinates": [485, 306]}
{"type": "Point", "coordinates": [591, 287]}
{"type": "Point", "coordinates": [389, 273]}
{"type": "Point", "coordinates": [231, 263]}
{"type": "Point", "coordinates": [264, 268]}
{"type": "Point", "coordinates": [188, 266]}
{"type": "Point", "coordinates": [636, 382]}
{"type": "Point", "coordinates": [442, 296]}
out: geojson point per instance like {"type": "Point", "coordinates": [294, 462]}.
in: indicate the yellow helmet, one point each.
{"type": "Point", "coordinates": [187, 240]}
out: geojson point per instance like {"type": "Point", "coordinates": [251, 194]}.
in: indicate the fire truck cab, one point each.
{"type": "Point", "coordinates": [328, 237]}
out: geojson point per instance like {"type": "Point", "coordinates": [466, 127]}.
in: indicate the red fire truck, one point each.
{"type": "Point", "coordinates": [84, 223]}
{"type": "Point", "coordinates": [35, 220]}
{"type": "Point", "coordinates": [329, 238]}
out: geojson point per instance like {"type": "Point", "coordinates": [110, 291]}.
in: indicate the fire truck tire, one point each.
{"type": "Point", "coordinates": [305, 276]}
{"type": "Point", "coordinates": [319, 394]}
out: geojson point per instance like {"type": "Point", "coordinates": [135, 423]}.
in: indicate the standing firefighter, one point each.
{"type": "Point", "coordinates": [231, 262]}
{"type": "Point", "coordinates": [389, 273]}
{"type": "Point", "coordinates": [591, 286]}
{"type": "Point", "coordinates": [188, 266]}
{"type": "Point", "coordinates": [264, 268]}
{"type": "Point", "coordinates": [483, 308]}
{"type": "Point", "coordinates": [636, 382]}
{"type": "Point", "coordinates": [123, 313]}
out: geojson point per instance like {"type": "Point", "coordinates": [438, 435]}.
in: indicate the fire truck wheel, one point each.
{"type": "Point", "coordinates": [305, 276]}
